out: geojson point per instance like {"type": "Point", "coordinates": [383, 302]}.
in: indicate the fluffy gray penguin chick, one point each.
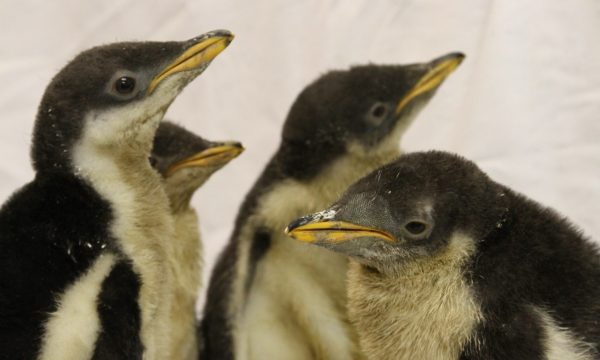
{"type": "Point", "coordinates": [83, 264]}
{"type": "Point", "coordinates": [273, 298]}
{"type": "Point", "coordinates": [448, 264]}
{"type": "Point", "coordinates": [186, 161]}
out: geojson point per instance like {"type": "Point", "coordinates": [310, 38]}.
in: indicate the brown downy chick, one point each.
{"type": "Point", "coordinates": [186, 161]}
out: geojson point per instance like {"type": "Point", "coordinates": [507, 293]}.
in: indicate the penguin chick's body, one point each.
{"type": "Point", "coordinates": [185, 161]}
{"type": "Point", "coordinates": [83, 266]}
{"type": "Point", "coordinates": [447, 264]}
{"type": "Point", "coordinates": [270, 297]}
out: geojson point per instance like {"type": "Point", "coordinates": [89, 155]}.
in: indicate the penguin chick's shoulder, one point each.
{"type": "Point", "coordinates": [448, 263]}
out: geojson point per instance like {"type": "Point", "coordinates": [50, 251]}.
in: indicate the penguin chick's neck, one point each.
{"type": "Point", "coordinates": [179, 200]}
{"type": "Point", "coordinates": [317, 187]}
{"type": "Point", "coordinates": [60, 132]}
{"type": "Point", "coordinates": [428, 304]}
{"type": "Point", "coordinates": [308, 164]}
{"type": "Point", "coordinates": [114, 160]}
{"type": "Point", "coordinates": [332, 180]}
{"type": "Point", "coordinates": [181, 186]}
{"type": "Point", "coordinates": [117, 167]}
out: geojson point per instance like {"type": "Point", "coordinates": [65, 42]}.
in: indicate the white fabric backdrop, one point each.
{"type": "Point", "coordinates": [525, 104]}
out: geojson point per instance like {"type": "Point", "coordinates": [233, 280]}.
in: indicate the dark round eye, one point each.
{"type": "Point", "coordinates": [415, 227]}
{"type": "Point", "coordinates": [379, 110]}
{"type": "Point", "coordinates": [125, 85]}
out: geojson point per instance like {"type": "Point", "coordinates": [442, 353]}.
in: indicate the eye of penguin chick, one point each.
{"type": "Point", "coordinates": [379, 110]}
{"type": "Point", "coordinates": [377, 113]}
{"type": "Point", "coordinates": [125, 85]}
{"type": "Point", "coordinates": [416, 229]}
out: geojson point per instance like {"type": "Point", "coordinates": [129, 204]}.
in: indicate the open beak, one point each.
{"type": "Point", "coordinates": [332, 231]}
{"type": "Point", "coordinates": [214, 156]}
{"type": "Point", "coordinates": [202, 51]}
{"type": "Point", "coordinates": [440, 69]}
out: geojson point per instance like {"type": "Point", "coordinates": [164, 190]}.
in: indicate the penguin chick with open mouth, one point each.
{"type": "Point", "coordinates": [186, 161]}
{"type": "Point", "coordinates": [448, 264]}
{"type": "Point", "coordinates": [270, 297]}
{"type": "Point", "coordinates": [84, 272]}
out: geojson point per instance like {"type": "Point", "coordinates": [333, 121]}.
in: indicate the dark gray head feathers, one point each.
{"type": "Point", "coordinates": [91, 82]}
{"type": "Point", "coordinates": [349, 106]}
{"type": "Point", "coordinates": [420, 201]}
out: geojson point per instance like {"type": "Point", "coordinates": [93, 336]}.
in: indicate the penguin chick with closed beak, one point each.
{"type": "Point", "coordinates": [84, 272]}
{"type": "Point", "coordinates": [185, 161]}
{"type": "Point", "coordinates": [448, 264]}
{"type": "Point", "coordinates": [270, 297]}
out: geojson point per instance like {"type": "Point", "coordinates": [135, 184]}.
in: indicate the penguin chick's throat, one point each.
{"type": "Point", "coordinates": [431, 298]}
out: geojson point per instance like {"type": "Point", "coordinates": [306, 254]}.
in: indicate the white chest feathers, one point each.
{"type": "Point", "coordinates": [426, 311]}
{"type": "Point", "coordinates": [560, 343]}
{"type": "Point", "coordinates": [141, 225]}
{"type": "Point", "coordinates": [71, 330]}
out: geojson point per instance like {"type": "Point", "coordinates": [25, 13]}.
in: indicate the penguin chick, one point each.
{"type": "Point", "coordinates": [270, 297]}
{"type": "Point", "coordinates": [448, 264]}
{"type": "Point", "coordinates": [186, 161]}
{"type": "Point", "coordinates": [84, 272]}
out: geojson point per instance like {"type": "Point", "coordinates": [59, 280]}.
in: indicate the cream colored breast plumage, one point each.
{"type": "Point", "coordinates": [185, 161]}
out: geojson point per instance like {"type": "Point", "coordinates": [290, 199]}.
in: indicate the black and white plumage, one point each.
{"type": "Point", "coordinates": [83, 272]}
{"type": "Point", "coordinates": [186, 161]}
{"type": "Point", "coordinates": [448, 264]}
{"type": "Point", "coordinates": [270, 297]}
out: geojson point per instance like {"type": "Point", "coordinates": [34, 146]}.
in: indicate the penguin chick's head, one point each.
{"type": "Point", "coordinates": [407, 209]}
{"type": "Point", "coordinates": [362, 110]}
{"type": "Point", "coordinates": [186, 161]}
{"type": "Point", "coordinates": [112, 97]}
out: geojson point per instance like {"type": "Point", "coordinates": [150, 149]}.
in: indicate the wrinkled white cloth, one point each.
{"type": "Point", "coordinates": [525, 104]}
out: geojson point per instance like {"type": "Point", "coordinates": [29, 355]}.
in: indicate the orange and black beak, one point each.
{"type": "Point", "coordinates": [197, 55]}
{"type": "Point", "coordinates": [439, 70]}
{"type": "Point", "coordinates": [215, 156]}
{"type": "Point", "coordinates": [313, 229]}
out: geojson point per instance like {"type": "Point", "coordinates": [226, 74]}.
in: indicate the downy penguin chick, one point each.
{"type": "Point", "coordinates": [185, 161]}
{"type": "Point", "coordinates": [270, 297]}
{"type": "Point", "coordinates": [448, 264]}
{"type": "Point", "coordinates": [84, 272]}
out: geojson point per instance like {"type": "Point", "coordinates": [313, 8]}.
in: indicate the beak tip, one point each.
{"type": "Point", "coordinates": [237, 149]}
{"type": "Point", "coordinates": [460, 57]}
{"type": "Point", "coordinates": [295, 224]}
{"type": "Point", "coordinates": [215, 33]}
{"type": "Point", "coordinates": [227, 36]}
{"type": "Point", "coordinates": [455, 57]}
